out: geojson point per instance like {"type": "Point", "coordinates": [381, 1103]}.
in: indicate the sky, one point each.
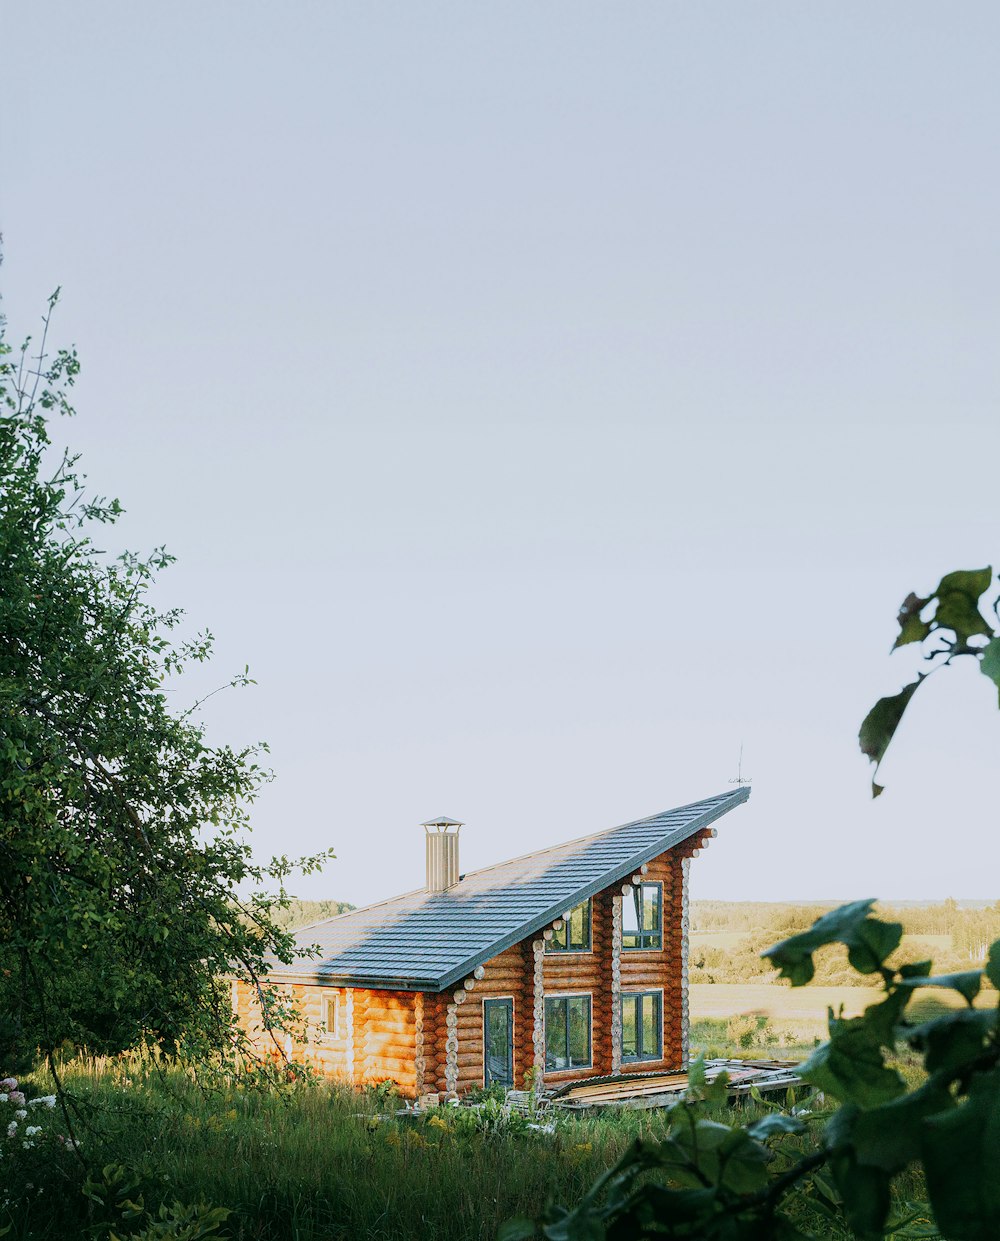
{"type": "Point", "coordinates": [546, 401]}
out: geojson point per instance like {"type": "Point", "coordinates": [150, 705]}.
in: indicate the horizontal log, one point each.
{"type": "Point", "coordinates": [398, 1051]}
{"type": "Point", "coordinates": [388, 1066]}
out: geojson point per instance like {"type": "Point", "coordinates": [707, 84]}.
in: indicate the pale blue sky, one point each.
{"type": "Point", "coordinates": [543, 399]}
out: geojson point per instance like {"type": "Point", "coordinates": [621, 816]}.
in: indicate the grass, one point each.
{"type": "Point", "coordinates": [321, 1163]}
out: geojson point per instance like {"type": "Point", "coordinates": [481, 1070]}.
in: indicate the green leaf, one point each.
{"type": "Point", "coordinates": [773, 1123]}
{"type": "Point", "coordinates": [851, 1066]}
{"type": "Point", "coordinates": [989, 664]}
{"type": "Point", "coordinates": [958, 597]}
{"type": "Point", "coordinates": [793, 956]}
{"type": "Point", "coordinates": [961, 1152]}
{"type": "Point", "coordinates": [880, 724]}
{"type": "Point", "coordinates": [917, 969]}
{"type": "Point", "coordinates": [517, 1230]}
{"type": "Point", "coordinates": [868, 940]}
{"type": "Point", "coordinates": [911, 627]}
{"type": "Point", "coordinates": [967, 983]}
{"type": "Point", "coordinates": [865, 1193]}
{"type": "Point", "coordinates": [954, 1039]}
{"type": "Point", "coordinates": [871, 942]}
{"type": "Point", "coordinates": [888, 1137]}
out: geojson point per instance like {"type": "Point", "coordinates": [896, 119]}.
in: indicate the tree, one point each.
{"type": "Point", "coordinates": [124, 865]}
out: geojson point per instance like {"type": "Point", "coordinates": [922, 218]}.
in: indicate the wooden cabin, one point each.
{"type": "Point", "coordinates": [564, 964]}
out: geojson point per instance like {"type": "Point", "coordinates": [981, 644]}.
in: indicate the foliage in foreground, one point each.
{"type": "Point", "coordinates": [123, 859]}
{"type": "Point", "coordinates": [709, 1181]}
{"type": "Point", "coordinates": [729, 1182]}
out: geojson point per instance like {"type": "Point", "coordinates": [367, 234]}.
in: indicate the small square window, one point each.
{"type": "Point", "coordinates": [574, 934]}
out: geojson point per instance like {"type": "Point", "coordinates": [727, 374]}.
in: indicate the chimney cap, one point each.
{"type": "Point", "coordinates": [442, 823]}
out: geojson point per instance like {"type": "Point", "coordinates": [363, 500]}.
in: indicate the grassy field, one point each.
{"type": "Point", "coordinates": [319, 1164]}
{"type": "Point", "coordinates": [793, 1016]}
{"type": "Point", "coordinates": [323, 1164]}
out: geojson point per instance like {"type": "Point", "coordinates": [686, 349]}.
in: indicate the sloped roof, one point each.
{"type": "Point", "coordinates": [426, 941]}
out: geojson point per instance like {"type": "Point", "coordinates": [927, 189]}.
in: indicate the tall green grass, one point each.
{"type": "Point", "coordinates": [319, 1163]}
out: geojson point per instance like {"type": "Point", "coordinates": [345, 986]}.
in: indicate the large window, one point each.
{"type": "Point", "coordinates": [642, 1025]}
{"type": "Point", "coordinates": [567, 1032]}
{"type": "Point", "coordinates": [642, 917]}
{"type": "Point", "coordinates": [575, 933]}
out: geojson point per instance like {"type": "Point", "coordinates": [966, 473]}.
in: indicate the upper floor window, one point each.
{"type": "Point", "coordinates": [642, 917]}
{"type": "Point", "coordinates": [574, 935]}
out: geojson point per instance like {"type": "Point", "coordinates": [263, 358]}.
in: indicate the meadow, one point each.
{"type": "Point", "coordinates": [170, 1159]}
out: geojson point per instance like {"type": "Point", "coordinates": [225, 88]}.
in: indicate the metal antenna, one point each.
{"type": "Point", "coordinates": [739, 770]}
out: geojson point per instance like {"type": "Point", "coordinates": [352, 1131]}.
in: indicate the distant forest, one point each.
{"type": "Point", "coordinates": [727, 937]}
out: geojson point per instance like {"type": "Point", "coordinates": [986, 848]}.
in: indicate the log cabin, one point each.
{"type": "Point", "coordinates": [560, 965]}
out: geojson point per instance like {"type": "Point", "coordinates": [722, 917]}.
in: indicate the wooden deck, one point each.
{"type": "Point", "coordinates": [648, 1090]}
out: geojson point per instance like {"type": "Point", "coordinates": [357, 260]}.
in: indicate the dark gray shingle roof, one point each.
{"type": "Point", "coordinates": [426, 941]}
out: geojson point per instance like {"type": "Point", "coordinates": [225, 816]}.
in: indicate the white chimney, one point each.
{"type": "Point", "coordinates": [442, 853]}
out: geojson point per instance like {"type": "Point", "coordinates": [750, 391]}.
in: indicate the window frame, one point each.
{"type": "Point", "coordinates": [568, 948]}
{"type": "Point", "coordinates": [564, 997]}
{"type": "Point", "coordinates": [505, 1000]}
{"type": "Point", "coordinates": [645, 937]}
{"type": "Point", "coordinates": [329, 1032]}
{"type": "Point", "coordinates": [641, 1057]}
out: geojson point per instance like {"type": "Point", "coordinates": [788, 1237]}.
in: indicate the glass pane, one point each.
{"type": "Point", "coordinates": [650, 1027]}
{"type": "Point", "coordinates": [629, 1046]}
{"type": "Point", "coordinates": [651, 906]}
{"type": "Point", "coordinates": [498, 1042]}
{"type": "Point", "coordinates": [579, 923]}
{"type": "Point", "coordinates": [579, 1030]}
{"type": "Point", "coordinates": [555, 1034]}
{"type": "Point", "coordinates": [630, 920]}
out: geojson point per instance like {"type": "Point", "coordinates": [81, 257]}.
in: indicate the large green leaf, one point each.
{"type": "Point", "coordinates": [961, 1153]}
{"type": "Point", "coordinates": [888, 1137]}
{"type": "Point", "coordinates": [871, 942]}
{"type": "Point", "coordinates": [911, 627]}
{"type": "Point", "coordinates": [989, 665]}
{"type": "Point", "coordinates": [880, 724]}
{"type": "Point", "coordinates": [865, 1193]}
{"type": "Point", "coordinates": [793, 956]}
{"type": "Point", "coordinates": [868, 940]}
{"type": "Point", "coordinates": [958, 603]}
{"type": "Point", "coordinates": [851, 1066]}
{"type": "Point", "coordinates": [967, 983]}
{"type": "Point", "coordinates": [954, 1039]}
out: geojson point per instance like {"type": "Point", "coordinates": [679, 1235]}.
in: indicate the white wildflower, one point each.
{"type": "Point", "coordinates": [20, 1114]}
{"type": "Point", "coordinates": [31, 1130]}
{"type": "Point", "coordinates": [12, 1128]}
{"type": "Point", "coordinates": [43, 1100]}
{"type": "Point", "coordinates": [4, 1097]}
{"type": "Point", "coordinates": [8, 1083]}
